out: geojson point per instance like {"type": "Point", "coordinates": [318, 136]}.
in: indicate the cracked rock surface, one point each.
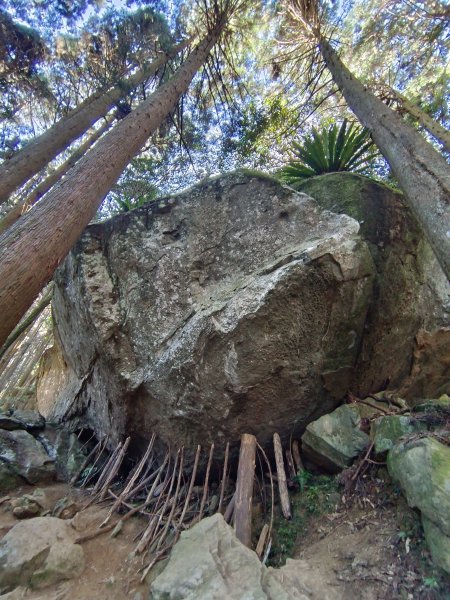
{"type": "Point", "coordinates": [236, 306]}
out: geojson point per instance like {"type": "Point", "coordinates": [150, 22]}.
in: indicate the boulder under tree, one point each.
{"type": "Point", "coordinates": [237, 306]}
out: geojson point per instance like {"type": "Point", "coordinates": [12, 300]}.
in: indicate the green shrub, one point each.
{"type": "Point", "coordinates": [332, 149]}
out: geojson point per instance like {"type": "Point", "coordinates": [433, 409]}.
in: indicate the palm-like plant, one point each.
{"type": "Point", "coordinates": [344, 148]}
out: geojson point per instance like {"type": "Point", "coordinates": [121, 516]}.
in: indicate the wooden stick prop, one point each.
{"type": "Point", "coordinates": [244, 489]}
{"type": "Point", "coordinates": [85, 463]}
{"type": "Point", "coordinates": [290, 463]}
{"type": "Point", "coordinates": [97, 458]}
{"type": "Point", "coordinates": [152, 527]}
{"type": "Point", "coordinates": [262, 540]}
{"type": "Point", "coordinates": [107, 468]}
{"type": "Point", "coordinates": [224, 478]}
{"type": "Point", "coordinates": [115, 468]}
{"type": "Point", "coordinates": [297, 458]}
{"type": "Point", "coordinates": [122, 497]}
{"type": "Point", "coordinates": [191, 485]}
{"type": "Point", "coordinates": [230, 509]}
{"type": "Point", "coordinates": [282, 484]}
{"type": "Point", "coordinates": [205, 487]}
{"type": "Point", "coordinates": [272, 495]}
{"type": "Point", "coordinates": [174, 500]}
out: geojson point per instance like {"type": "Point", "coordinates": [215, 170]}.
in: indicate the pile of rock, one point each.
{"type": "Point", "coordinates": [417, 445]}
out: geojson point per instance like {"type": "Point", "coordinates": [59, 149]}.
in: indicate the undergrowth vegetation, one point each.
{"type": "Point", "coordinates": [317, 495]}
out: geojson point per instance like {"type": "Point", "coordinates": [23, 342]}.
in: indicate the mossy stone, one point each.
{"type": "Point", "coordinates": [386, 431]}
{"type": "Point", "coordinates": [438, 543]}
{"type": "Point", "coordinates": [422, 469]}
{"type": "Point", "coordinates": [335, 440]}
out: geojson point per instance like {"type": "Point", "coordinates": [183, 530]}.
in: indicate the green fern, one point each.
{"type": "Point", "coordinates": [344, 148]}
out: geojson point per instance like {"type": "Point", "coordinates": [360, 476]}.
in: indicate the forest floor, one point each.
{"type": "Point", "coordinates": [111, 571]}
{"type": "Point", "coordinates": [367, 545]}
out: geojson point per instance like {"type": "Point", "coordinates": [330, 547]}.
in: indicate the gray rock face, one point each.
{"type": "Point", "coordinates": [65, 449]}
{"type": "Point", "coordinates": [237, 306]}
{"type": "Point", "coordinates": [24, 456]}
{"type": "Point", "coordinates": [22, 419]}
{"type": "Point", "coordinates": [209, 563]}
{"type": "Point", "coordinates": [411, 308]}
{"type": "Point", "coordinates": [38, 553]}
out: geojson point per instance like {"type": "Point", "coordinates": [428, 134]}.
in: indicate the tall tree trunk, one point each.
{"type": "Point", "coordinates": [21, 207]}
{"type": "Point", "coordinates": [14, 172]}
{"type": "Point", "coordinates": [29, 255]}
{"type": "Point", "coordinates": [27, 321]}
{"type": "Point", "coordinates": [423, 174]}
{"type": "Point", "coordinates": [437, 131]}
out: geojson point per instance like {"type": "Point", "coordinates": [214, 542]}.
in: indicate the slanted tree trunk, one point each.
{"type": "Point", "coordinates": [423, 174]}
{"type": "Point", "coordinates": [28, 321]}
{"type": "Point", "coordinates": [437, 131]}
{"type": "Point", "coordinates": [33, 247]}
{"type": "Point", "coordinates": [14, 172]}
{"type": "Point", "coordinates": [21, 207]}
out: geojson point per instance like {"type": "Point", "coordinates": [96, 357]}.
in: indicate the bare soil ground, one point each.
{"type": "Point", "coordinates": [111, 571]}
{"type": "Point", "coordinates": [369, 545]}
{"type": "Point", "coordinates": [366, 546]}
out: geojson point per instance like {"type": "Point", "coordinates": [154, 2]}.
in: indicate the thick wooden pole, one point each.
{"type": "Point", "coordinates": [281, 474]}
{"type": "Point", "coordinates": [244, 489]}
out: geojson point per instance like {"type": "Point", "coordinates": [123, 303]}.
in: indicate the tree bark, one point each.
{"type": "Point", "coordinates": [14, 172]}
{"type": "Point", "coordinates": [29, 255]}
{"type": "Point", "coordinates": [29, 320]}
{"type": "Point", "coordinates": [21, 207]}
{"type": "Point", "coordinates": [441, 134]}
{"type": "Point", "coordinates": [423, 174]}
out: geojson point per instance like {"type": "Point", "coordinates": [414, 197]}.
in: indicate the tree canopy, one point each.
{"type": "Point", "coordinates": [246, 81]}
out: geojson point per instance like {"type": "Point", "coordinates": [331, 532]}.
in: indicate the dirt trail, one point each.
{"type": "Point", "coordinates": [369, 548]}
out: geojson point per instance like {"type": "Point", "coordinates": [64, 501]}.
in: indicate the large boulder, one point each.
{"type": "Point", "coordinates": [22, 419]}
{"type": "Point", "coordinates": [407, 339]}
{"type": "Point", "coordinates": [209, 563]}
{"type": "Point", "coordinates": [335, 440]}
{"type": "Point", "coordinates": [22, 455]}
{"type": "Point", "coordinates": [38, 553]}
{"type": "Point", "coordinates": [236, 306]}
{"type": "Point", "coordinates": [421, 467]}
